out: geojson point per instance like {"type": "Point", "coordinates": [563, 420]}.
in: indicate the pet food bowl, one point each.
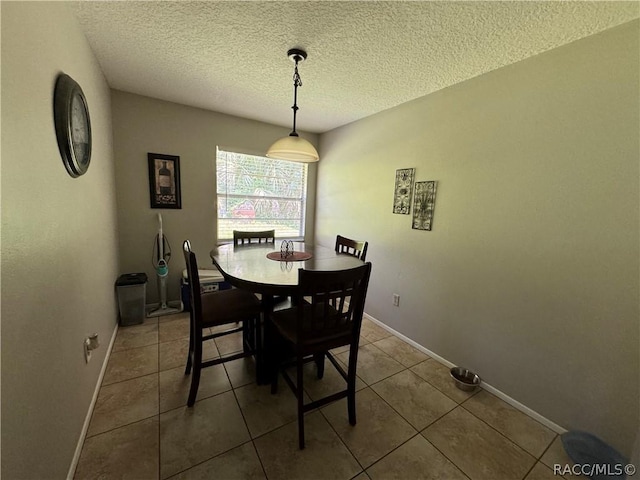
{"type": "Point", "coordinates": [465, 379]}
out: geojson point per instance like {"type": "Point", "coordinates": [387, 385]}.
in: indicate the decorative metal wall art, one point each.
{"type": "Point", "coordinates": [402, 194]}
{"type": "Point", "coordinates": [424, 200]}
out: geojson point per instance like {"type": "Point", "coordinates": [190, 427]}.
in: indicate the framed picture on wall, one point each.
{"type": "Point", "coordinates": [402, 192]}
{"type": "Point", "coordinates": [164, 181]}
{"type": "Point", "coordinates": [424, 202]}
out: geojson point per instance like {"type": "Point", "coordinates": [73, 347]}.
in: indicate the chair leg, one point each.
{"type": "Point", "coordinates": [247, 337]}
{"type": "Point", "coordinates": [268, 369]}
{"type": "Point", "coordinates": [351, 404]}
{"type": "Point", "coordinates": [259, 351]}
{"type": "Point", "coordinates": [300, 395]}
{"type": "Point", "coordinates": [351, 389]}
{"type": "Point", "coordinates": [272, 360]}
{"type": "Point", "coordinates": [319, 360]}
{"type": "Point", "coordinates": [197, 368]}
{"type": "Point", "coordinates": [187, 370]}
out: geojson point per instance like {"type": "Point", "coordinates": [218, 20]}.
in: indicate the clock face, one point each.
{"type": "Point", "coordinates": [79, 126]}
{"type": "Point", "coordinates": [73, 126]}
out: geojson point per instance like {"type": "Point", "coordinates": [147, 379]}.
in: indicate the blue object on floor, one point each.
{"type": "Point", "coordinates": [587, 449]}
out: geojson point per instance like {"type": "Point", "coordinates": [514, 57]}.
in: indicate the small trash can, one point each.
{"type": "Point", "coordinates": [131, 288]}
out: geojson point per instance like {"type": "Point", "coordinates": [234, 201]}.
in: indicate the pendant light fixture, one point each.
{"type": "Point", "coordinates": [294, 147]}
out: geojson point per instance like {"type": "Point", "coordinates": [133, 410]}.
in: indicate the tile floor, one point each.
{"type": "Point", "coordinates": [412, 421]}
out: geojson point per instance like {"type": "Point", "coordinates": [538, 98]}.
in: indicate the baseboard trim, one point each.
{"type": "Point", "coordinates": [489, 388]}
{"type": "Point", "coordinates": [87, 420]}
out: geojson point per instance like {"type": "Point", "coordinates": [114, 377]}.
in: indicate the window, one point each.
{"type": "Point", "coordinates": [259, 193]}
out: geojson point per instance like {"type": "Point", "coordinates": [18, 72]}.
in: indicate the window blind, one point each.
{"type": "Point", "coordinates": [259, 193]}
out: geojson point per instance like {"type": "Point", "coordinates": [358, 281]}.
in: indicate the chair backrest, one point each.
{"type": "Point", "coordinates": [357, 248]}
{"type": "Point", "coordinates": [194, 282]}
{"type": "Point", "coordinates": [332, 312]}
{"type": "Point", "coordinates": [266, 236]}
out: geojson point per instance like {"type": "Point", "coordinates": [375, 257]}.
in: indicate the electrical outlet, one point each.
{"type": "Point", "coordinates": [396, 300]}
{"type": "Point", "coordinates": [87, 352]}
{"type": "Point", "coordinates": [90, 343]}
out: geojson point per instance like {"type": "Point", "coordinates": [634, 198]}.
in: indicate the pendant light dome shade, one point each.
{"type": "Point", "coordinates": [293, 147]}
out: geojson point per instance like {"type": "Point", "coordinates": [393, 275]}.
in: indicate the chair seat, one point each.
{"type": "Point", "coordinates": [285, 321]}
{"type": "Point", "coordinates": [228, 306]}
{"type": "Point", "coordinates": [320, 321]}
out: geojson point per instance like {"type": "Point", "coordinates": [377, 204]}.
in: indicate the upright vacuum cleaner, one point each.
{"type": "Point", "coordinates": [161, 256]}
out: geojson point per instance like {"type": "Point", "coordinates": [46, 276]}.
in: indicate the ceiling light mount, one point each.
{"type": "Point", "coordinates": [294, 147]}
{"type": "Point", "coordinates": [296, 55]}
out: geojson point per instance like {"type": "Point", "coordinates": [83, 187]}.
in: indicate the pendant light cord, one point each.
{"type": "Point", "coordinates": [293, 147]}
{"type": "Point", "coordinates": [297, 82]}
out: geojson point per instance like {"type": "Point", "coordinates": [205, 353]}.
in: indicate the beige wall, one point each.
{"type": "Point", "coordinates": [59, 244]}
{"type": "Point", "coordinates": [530, 275]}
{"type": "Point", "coordinates": [142, 125]}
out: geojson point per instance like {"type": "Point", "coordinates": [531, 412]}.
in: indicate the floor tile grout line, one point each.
{"type": "Point", "coordinates": [286, 424]}
{"type": "Point", "coordinates": [548, 447]}
{"type": "Point", "coordinates": [103, 384]}
{"type": "Point", "coordinates": [289, 422]}
{"type": "Point", "coordinates": [402, 416]}
{"type": "Point", "coordinates": [400, 340]}
{"type": "Point", "coordinates": [381, 379]}
{"type": "Point", "coordinates": [426, 380]}
{"type": "Point", "coordinates": [376, 393]}
{"type": "Point", "coordinates": [418, 432]}
{"type": "Point", "coordinates": [255, 449]}
{"type": "Point", "coordinates": [244, 419]}
{"type": "Point", "coordinates": [121, 349]}
{"type": "Point", "coordinates": [132, 378]}
{"type": "Point", "coordinates": [437, 387]}
{"type": "Point", "coordinates": [445, 455]}
{"type": "Point", "coordinates": [122, 426]}
{"type": "Point", "coordinates": [125, 424]}
{"type": "Point", "coordinates": [545, 451]}
{"type": "Point", "coordinates": [229, 449]}
{"type": "Point", "coordinates": [458, 405]}
{"type": "Point", "coordinates": [393, 450]}
{"type": "Point", "coordinates": [209, 459]}
{"type": "Point", "coordinates": [320, 410]}
{"type": "Point", "coordinates": [529, 471]}
{"type": "Point", "coordinates": [252, 440]}
{"type": "Point", "coordinates": [382, 351]}
{"type": "Point", "coordinates": [480, 390]}
{"type": "Point", "coordinates": [502, 434]}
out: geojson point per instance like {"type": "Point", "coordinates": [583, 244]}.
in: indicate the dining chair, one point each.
{"type": "Point", "coordinates": [314, 326]}
{"type": "Point", "coordinates": [357, 248]}
{"type": "Point", "coordinates": [241, 238]}
{"type": "Point", "coordinates": [214, 309]}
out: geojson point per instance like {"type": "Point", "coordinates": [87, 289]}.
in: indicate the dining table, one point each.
{"type": "Point", "coordinates": [271, 270]}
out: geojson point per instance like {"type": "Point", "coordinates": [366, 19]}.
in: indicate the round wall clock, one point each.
{"type": "Point", "coordinates": [73, 126]}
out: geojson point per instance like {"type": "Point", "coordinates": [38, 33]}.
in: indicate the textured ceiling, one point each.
{"type": "Point", "coordinates": [364, 57]}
